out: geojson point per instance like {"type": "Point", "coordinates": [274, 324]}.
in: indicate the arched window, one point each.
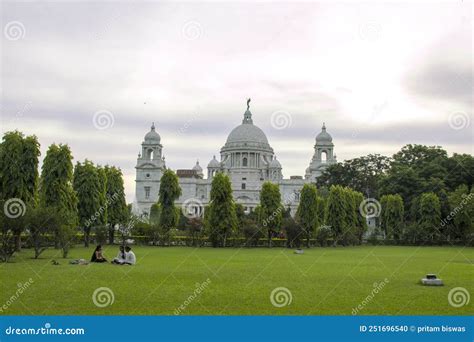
{"type": "Point", "coordinates": [150, 153]}
{"type": "Point", "coordinates": [324, 156]}
{"type": "Point", "coordinates": [244, 161]}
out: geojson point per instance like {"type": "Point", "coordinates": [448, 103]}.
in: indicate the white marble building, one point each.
{"type": "Point", "coordinates": [246, 157]}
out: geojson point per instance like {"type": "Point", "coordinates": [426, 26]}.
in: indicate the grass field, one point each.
{"type": "Point", "coordinates": [322, 281]}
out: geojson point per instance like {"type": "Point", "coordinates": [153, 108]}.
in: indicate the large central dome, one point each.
{"type": "Point", "coordinates": [247, 135]}
{"type": "Point", "coordinates": [247, 132]}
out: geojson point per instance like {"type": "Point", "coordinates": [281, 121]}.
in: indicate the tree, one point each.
{"type": "Point", "coordinates": [430, 216]}
{"type": "Point", "coordinates": [155, 212]}
{"type": "Point", "coordinates": [252, 232]}
{"type": "Point", "coordinates": [405, 181]}
{"type": "Point", "coordinates": [271, 209]}
{"type": "Point", "coordinates": [320, 210]}
{"type": "Point", "coordinates": [56, 192]}
{"type": "Point", "coordinates": [349, 235]}
{"type": "Point", "coordinates": [169, 192]}
{"type": "Point", "coordinates": [461, 171]}
{"type": "Point", "coordinates": [336, 212]}
{"type": "Point", "coordinates": [307, 212]}
{"type": "Point", "coordinates": [7, 242]}
{"type": "Point", "coordinates": [361, 221]}
{"type": "Point", "coordinates": [89, 188]}
{"type": "Point", "coordinates": [462, 214]}
{"type": "Point", "coordinates": [117, 207]}
{"type": "Point", "coordinates": [222, 219]}
{"type": "Point", "coordinates": [194, 230]}
{"type": "Point", "coordinates": [40, 221]}
{"type": "Point", "coordinates": [392, 216]}
{"type": "Point", "coordinates": [294, 232]}
{"type": "Point", "coordinates": [240, 214]}
{"type": "Point", "coordinates": [102, 218]}
{"type": "Point", "coordinates": [361, 174]}
{"type": "Point", "coordinates": [19, 174]}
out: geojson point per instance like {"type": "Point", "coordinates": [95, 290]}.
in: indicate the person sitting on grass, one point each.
{"type": "Point", "coordinates": [120, 258]}
{"type": "Point", "coordinates": [130, 258]}
{"type": "Point", "coordinates": [97, 256]}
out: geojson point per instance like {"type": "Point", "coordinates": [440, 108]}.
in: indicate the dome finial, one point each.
{"type": "Point", "coordinates": [152, 126]}
{"type": "Point", "coordinates": [247, 115]}
{"type": "Point", "coordinates": [324, 126]}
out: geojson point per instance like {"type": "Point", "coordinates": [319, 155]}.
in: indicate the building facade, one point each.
{"type": "Point", "coordinates": [246, 157]}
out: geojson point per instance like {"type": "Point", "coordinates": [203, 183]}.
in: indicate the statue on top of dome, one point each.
{"type": "Point", "coordinates": [248, 103]}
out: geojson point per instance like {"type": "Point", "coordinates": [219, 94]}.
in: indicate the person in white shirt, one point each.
{"type": "Point", "coordinates": [120, 258]}
{"type": "Point", "coordinates": [130, 258]}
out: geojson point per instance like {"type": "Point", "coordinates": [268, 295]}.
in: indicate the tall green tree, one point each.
{"type": "Point", "coordinates": [361, 221]}
{"type": "Point", "coordinates": [271, 209]}
{"type": "Point", "coordinates": [56, 192]}
{"type": "Point", "coordinates": [461, 218]}
{"type": "Point", "coordinates": [349, 235]}
{"type": "Point", "coordinates": [307, 212]}
{"type": "Point", "coordinates": [392, 216]}
{"type": "Point", "coordinates": [104, 203]}
{"type": "Point", "coordinates": [117, 206]}
{"type": "Point", "coordinates": [336, 212]}
{"type": "Point", "coordinates": [169, 192]}
{"type": "Point", "coordinates": [89, 189]}
{"type": "Point", "coordinates": [222, 219]}
{"type": "Point", "coordinates": [430, 216]}
{"type": "Point", "coordinates": [361, 174]}
{"type": "Point", "coordinates": [19, 176]}
{"type": "Point", "coordinates": [461, 171]}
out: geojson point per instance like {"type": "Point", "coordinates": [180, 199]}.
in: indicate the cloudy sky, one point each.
{"type": "Point", "coordinates": [381, 75]}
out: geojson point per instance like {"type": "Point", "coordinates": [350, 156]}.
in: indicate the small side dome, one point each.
{"type": "Point", "coordinates": [275, 164]}
{"type": "Point", "coordinates": [213, 163]}
{"type": "Point", "coordinates": [152, 136]}
{"type": "Point", "coordinates": [197, 167]}
{"type": "Point", "coordinates": [323, 136]}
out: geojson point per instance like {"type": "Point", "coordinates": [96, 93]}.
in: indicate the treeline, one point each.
{"type": "Point", "coordinates": [58, 203]}
{"type": "Point", "coordinates": [426, 196]}
{"type": "Point", "coordinates": [419, 196]}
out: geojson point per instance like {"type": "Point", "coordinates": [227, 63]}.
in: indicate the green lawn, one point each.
{"type": "Point", "coordinates": [322, 281]}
